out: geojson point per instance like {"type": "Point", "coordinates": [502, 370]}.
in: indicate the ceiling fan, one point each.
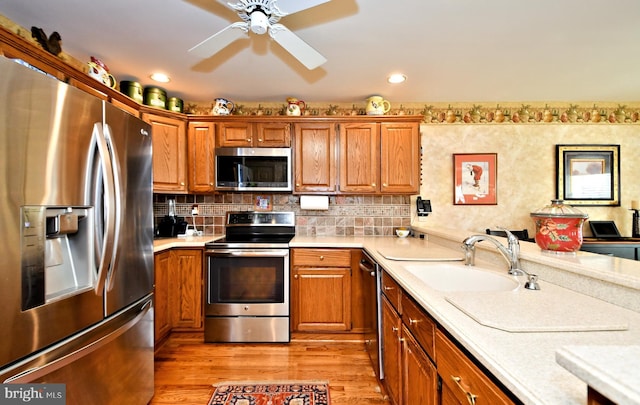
{"type": "Point", "coordinates": [260, 16]}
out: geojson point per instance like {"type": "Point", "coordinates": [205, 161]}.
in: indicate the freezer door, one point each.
{"type": "Point", "coordinates": [131, 273]}
{"type": "Point", "coordinates": [110, 363]}
{"type": "Point", "coordinates": [46, 131]}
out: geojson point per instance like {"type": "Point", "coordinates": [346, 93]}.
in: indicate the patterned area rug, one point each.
{"type": "Point", "coordinates": [271, 393]}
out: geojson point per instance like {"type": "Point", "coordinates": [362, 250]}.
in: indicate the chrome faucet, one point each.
{"type": "Point", "coordinates": [510, 253]}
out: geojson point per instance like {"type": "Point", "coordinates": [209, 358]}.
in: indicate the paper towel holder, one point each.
{"type": "Point", "coordinates": [423, 207]}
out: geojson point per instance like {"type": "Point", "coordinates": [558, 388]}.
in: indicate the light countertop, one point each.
{"type": "Point", "coordinates": [525, 362]}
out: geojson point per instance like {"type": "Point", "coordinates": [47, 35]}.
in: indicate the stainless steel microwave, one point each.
{"type": "Point", "coordinates": [253, 169]}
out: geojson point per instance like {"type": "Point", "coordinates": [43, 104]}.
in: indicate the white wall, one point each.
{"type": "Point", "coordinates": [526, 171]}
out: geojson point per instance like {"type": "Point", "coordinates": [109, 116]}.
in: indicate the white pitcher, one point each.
{"type": "Point", "coordinates": [222, 106]}
{"type": "Point", "coordinates": [377, 105]}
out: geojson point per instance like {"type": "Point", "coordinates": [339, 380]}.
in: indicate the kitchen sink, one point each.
{"type": "Point", "coordinates": [458, 277]}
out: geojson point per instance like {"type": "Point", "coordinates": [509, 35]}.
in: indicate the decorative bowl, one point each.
{"type": "Point", "coordinates": [559, 227]}
{"type": "Point", "coordinates": [402, 232]}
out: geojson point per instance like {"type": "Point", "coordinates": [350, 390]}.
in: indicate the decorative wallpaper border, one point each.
{"type": "Point", "coordinates": [459, 113]}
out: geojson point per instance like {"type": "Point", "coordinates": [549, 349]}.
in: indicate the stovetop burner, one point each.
{"type": "Point", "coordinates": [247, 229]}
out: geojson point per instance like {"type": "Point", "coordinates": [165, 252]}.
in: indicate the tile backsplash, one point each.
{"type": "Point", "coordinates": [357, 215]}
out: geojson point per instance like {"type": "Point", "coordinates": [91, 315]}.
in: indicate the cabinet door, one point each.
{"type": "Point", "coordinates": [273, 134]}
{"type": "Point", "coordinates": [161, 321]}
{"type": "Point", "coordinates": [359, 158]}
{"type": "Point", "coordinates": [185, 286]}
{"type": "Point", "coordinates": [169, 154]}
{"type": "Point", "coordinates": [315, 168]}
{"type": "Point", "coordinates": [235, 134]}
{"type": "Point", "coordinates": [321, 299]}
{"type": "Point", "coordinates": [201, 146]}
{"type": "Point", "coordinates": [419, 376]}
{"type": "Point", "coordinates": [400, 158]}
{"type": "Point", "coordinates": [391, 348]}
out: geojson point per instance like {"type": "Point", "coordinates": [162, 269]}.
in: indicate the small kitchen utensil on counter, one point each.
{"type": "Point", "coordinates": [559, 227]}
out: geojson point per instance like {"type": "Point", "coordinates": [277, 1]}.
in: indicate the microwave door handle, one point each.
{"type": "Point", "coordinates": [104, 201]}
{"type": "Point", "coordinates": [117, 205]}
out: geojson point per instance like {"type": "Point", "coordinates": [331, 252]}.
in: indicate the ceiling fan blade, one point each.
{"type": "Point", "coordinates": [293, 6]}
{"type": "Point", "coordinates": [219, 40]}
{"type": "Point", "coordinates": [296, 46]}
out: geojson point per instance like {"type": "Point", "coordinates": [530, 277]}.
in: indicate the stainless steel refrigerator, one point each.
{"type": "Point", "coordinates": [76, 245]}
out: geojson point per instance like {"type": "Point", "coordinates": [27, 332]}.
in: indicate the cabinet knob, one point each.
{"type": "Point", "coordinates": [321, 257]}
{"type": "Point", "coordinates": [413, 321]}
{"type": "Point", "coordinates": [248, 139]}
{"type": "Point", "coordinates": [296, 276]}
{"type": "Point", "coordinates": [297, 184]}
{"type": "Point", "coordinates": [384, 184]}
{"type": "Point", "coordinates": [373, 184]}
{"type": "Point", "coordinates": [182, 183]}
{"type": "Point", "coordinates": [211, 184]}
{"type": "Point", "coordinates": [387, 288]}
{"type": "Point", "coordinates": [259, 140]}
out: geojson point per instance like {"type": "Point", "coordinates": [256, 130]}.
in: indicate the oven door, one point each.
{"type": "Point", "coordinates": [247, 282]}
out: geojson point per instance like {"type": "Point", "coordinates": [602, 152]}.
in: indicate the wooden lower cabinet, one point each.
{"type": "Point", "coordinates": [321, 290]}
{"type": "Point", "coordinates": [392, 351]}
{"type": "Point", "coordinates": [162, 319]}
{"type": "Point", "coordinates": [178, 291]}
{"type": "Point", "coordinates": [419, 374]}
{"type": "Point", "coordinates": [462, 381]}
{"type": "Point", "coordinates": [411, 342]}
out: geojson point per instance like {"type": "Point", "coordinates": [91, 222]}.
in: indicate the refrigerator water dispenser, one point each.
{"type": "Point", "coordinates": [57, 249]}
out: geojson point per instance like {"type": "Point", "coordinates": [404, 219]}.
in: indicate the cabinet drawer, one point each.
{"type": "Point", "coordinates": [391, 290]}
{"type": "Point", "coordinates": [321, 257]}
{"type": "Point", "coordinates": [463, 378]}
{"type": "Point", "coordinates": [420, 324]}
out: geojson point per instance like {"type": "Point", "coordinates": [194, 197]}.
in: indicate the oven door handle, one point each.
{"type": "Point", "coordinates": [246, 253]}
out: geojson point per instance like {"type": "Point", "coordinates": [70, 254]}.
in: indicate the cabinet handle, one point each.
{"type": "Point", "coordinates": [259, 140]}
{"type": "Point", "coordinates": [248, 139]}
{"type": "Point", "coordinates": [182, 183]}
{"type": "Point", "coordinates": [413, 321]}
{"type": "Point", "coordinates": [387, 288]}
{"type": "Point", "coordinates": [373, 184]}
{"type": "Point", "coordinates": [384, 184]}
{"type": "Point", "coordinates": [321, 257]}
{"type": "Point", "coordinates": [470, 397]}
{"type": "Point", "coordinates": [297, 184]}
{"type": "Point", "coordinates": [296, 276]}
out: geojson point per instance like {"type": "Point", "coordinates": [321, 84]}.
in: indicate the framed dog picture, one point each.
{"type": "Point", "coordinates": [475, 179]}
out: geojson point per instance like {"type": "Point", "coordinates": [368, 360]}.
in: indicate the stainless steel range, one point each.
{"type": "Point", "coordinates": [247, 279]}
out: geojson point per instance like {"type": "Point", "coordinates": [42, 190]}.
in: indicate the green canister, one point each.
{"type": "Point", "coordinates": [175, 104]}
{"type": "Point", "coordinates": [132, 89]}
{"type": "Point", "coordinates": [155, 97]}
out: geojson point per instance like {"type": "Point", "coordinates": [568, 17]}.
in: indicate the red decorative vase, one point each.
{"type": "Point", "coordinates": [559, 227]}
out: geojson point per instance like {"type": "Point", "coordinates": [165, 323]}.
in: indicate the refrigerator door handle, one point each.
{"type": "Point", "coordinates": [104, 199]}
{"type": "Point", "coordinates": [118, 204]}
{"type": "Point", "coordinates": [65, 359]}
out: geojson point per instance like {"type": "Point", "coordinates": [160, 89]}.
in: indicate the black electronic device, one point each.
{"type": "Point", "coordinates": [423, 207]}
{"type": "Point", "coordinates": [604, 230]}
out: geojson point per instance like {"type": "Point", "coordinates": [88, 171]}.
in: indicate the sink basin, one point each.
{"type": "Point", "coordinates": [458, 277]}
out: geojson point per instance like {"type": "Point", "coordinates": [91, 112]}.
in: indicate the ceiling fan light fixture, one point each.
{"type": "Point", "coordinates": [160, 77]}
{"type": "Point", "coordinates": [259, 22]}
{"type": "Point", "coordinates": [396, 78]}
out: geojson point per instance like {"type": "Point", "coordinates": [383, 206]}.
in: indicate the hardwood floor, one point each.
{"type": "Point", "coordinates": [186, 367]}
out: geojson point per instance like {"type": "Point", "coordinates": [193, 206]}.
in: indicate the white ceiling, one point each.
{"type": "Point", "coordinates": [451, 50]}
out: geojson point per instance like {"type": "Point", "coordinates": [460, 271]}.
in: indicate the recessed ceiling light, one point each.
{"type": "Point", "coordinates": [396, 78]}
{"type": "Point", "coordinates": [160, 77]}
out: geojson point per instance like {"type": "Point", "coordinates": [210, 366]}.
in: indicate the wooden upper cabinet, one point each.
{"type": "Point", "coordinates": [201, 146]}
{"type": "Point", "coordinates": [314, 155]}
{"type": "Point", "coordinates": [273, 134]}
{"type": "Point", "coordinates": [169, 153]}
{"type": "Point", "coordinates": [359, 158]}
{"type": "Point", "coordinates": [246, 134]}
{"type": "Point", "coordinates": [400, 158]}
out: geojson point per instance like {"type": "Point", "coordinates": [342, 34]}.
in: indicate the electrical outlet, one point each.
{"type": "Point", "coordinates": [194, 209]}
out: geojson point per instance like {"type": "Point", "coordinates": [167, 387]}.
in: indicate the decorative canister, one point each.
{"type": "Point", "coordinates": [155, 97]}
{"type": "Point", "coordinates": [175, 104]}
{"type": "Point", "coordinates": [132, 89]}
{"type": "Point", "coordinates": [559, 227]}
